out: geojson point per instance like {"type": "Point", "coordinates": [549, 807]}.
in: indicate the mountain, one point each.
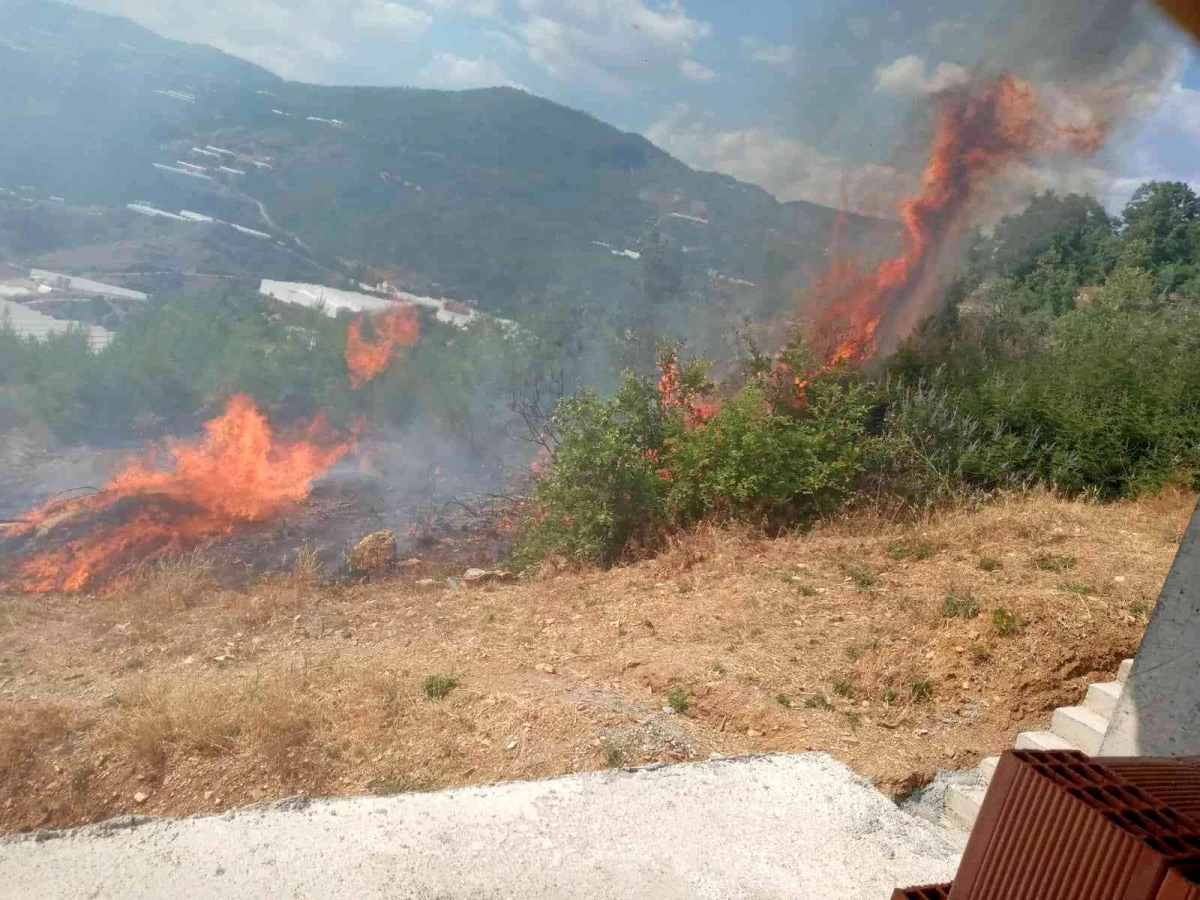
{"type": "Point", "coordinates": [488, 195]}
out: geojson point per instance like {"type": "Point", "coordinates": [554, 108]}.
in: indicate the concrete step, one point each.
{"type": "Point", "coordinates": [1102, 698]}
{"type": "Point", "coordinates": [962, 803]}
{"type": "Point", "coordinates": [987, 768]}
{"type": "Point", "coordinates": [1123, 671]}
{"type": "Point", "coordinates": [1081, 727]}
{"type": "Point", "coordinates": [1042, 740]}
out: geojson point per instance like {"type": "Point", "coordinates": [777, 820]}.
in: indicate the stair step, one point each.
{"type": "Point", "coordinates": [1042, 740]}
{"type": "Point", "coordinates": [1081, 727]}
{"type": "Point", "coordinates": [1123, 670]}
{"type": "Point", "coordinates": [1102, 698]}
{"type": "Point", "coordinates": [962, 803]}
{"type": "Point", "coordinates": [987, 768]}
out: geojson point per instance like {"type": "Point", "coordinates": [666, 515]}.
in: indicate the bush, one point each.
{"type": "Point", "coordinates": [602, 492]}
{"type": "Point", "coordinates": [752, 461]}
{"type": "Point", "coordinates": [654, 458]}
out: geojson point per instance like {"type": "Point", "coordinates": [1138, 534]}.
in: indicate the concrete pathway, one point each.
{"type": "Point", "coordinates": [777, 826]}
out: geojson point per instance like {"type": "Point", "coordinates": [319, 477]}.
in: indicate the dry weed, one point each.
{"type": "Point", "coordinates": [176, 582]}
{"type": "Point", "coordinates": [772, 643]}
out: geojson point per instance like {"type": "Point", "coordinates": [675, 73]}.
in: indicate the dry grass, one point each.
{"type": "Point", "coordinates": [178, 582]}
{"type": "Point", "coordinates": [839, 640]}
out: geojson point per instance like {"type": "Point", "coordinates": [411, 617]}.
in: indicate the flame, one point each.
{"type": "Point", "coordinates": [238, 471]}
{"type": "Point", "coordinates": [366, 358]}
{"type": "Point", "coordinates": [698, 409]}
{"type": "Point", "coordinates": [981, 130]}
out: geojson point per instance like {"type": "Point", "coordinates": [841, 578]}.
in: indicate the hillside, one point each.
{"type": "Point", "coordinates": [898, 650]}
{"type": "Point", "coordinates": [489, 195]}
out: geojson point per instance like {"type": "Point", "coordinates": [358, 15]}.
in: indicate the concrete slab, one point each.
{"type": "Point", "coordinates": [1080, 726]}
{"type": "Point", "coordinates": [1158, 713]}
{"type": "Point", "coordinates": [1124, 669]}
{"type": "Point", "coordinates": [987, 767]}
{"type": "Point", "coordinates": [1102, 698]}
{"type": "Point", "coordinates": [963, 803]}
{"type": "Point", "coordinates": [1042, 740]}
{"type": "Point", "coordinates": [759, 828]}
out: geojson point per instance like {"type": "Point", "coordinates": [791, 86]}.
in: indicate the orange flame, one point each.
{"type": "Point", "coordinates": [239, 471]}
{"type": "Point", "coordinates": [697, 408]}
{"type": "Point", "coordinates": [981, 130]}
{"type": "Point", "coordinates": [366, 358]}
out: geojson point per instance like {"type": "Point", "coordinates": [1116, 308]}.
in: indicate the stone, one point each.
{"type": "Point", "coordinates": [208, 795]}
{"type": "Point", "coordinates": [426, 582]}
{"type": "Point", "coordinates": [486, 576]}
{"type": "Point", "coordinates": [512, 745]}
{"type": "Point", "coordinates": [752, 733]}
{"type": "Point", "coordinates": [141, 797]}
{"type": "Point", "coordinates": [373, 555]}
{"type": "Point", "coordinates": [545, 667]}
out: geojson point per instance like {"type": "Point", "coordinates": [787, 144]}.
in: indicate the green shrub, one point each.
{"type": "Point", "coordinates": [776, 467]}
{"type": "Point", "coordinates": [959, 606]}
{"type": "Point", "coordinates": [437, 687]}
{"type": "Point", "coordinates": [1004, 621]}
{"type": "Point", "coordinates": [603, 491]}
{"type": "Point", "coordinates": [678, 700]}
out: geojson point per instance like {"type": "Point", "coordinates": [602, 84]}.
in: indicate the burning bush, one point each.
{"type": "Point", "coordinates": [629, 469]}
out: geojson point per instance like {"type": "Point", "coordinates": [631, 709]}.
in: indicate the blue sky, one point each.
{"type": "Point", "coordinates": [803, 98]}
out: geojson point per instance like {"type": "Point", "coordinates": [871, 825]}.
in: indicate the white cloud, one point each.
{"type": "Point", "coordinates": [401, 20]}
{"type": "Point", "coordinates": [859, 27]}
{"type": "Point", "coordinates": [1181, 106]}
{"type": "Point", "coordinates": [787, 167]}
{"type": "Point", "coordinates": [446, 70]}
{"type": "Point", "coordinates": [783, 56]}
{"type": "Point", "coordinates": [907, 76]}
{"type": "Point", "coordinates": [601, 44]}
{"type": "Point", "coordinates": [479, 9]}
{"type": "Point", "coordinates": [300, 39]}
{"type": "Point", "coordinates": [694, 71]}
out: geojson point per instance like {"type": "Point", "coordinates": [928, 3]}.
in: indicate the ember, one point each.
{"type": "Point", "coordinates": [239, 471]}
{"type": "Point", "coordinates": [980, 132]}
{"type": "Point", "coordinates": [366, 357]}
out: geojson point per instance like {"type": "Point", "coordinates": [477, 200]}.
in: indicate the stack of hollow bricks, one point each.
{"type": "Point", "coordinates": [1058, 825]}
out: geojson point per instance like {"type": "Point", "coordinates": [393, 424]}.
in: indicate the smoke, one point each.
{"type": "Point", "coordinates": [1034, 114]}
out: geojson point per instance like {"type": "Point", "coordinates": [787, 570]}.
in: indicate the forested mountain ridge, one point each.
{"type": "Point", "coordinates": [490, 195]}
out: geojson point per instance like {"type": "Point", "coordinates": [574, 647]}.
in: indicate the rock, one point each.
{"type": "Point", "coordinates": [426, 582]}
{"type": "Point", "coordinates": [410, 562]}
{"type": "Point", "coordinates": [141, 797]}
{"type": "Point", "coordinates": [752, 733]}
{"type": "Point", "coordinates": [486, 576]}
{"type": "Point", "coordinates": [512, 745]}
{"type": "Point", "coordinates": [208, 795]}
{"type": "Point", "coordinates": [373, 555]}
{"type": "Point", "coordinates": [545, 667]}
{"type": "Point", "coordinates": [223, 658]}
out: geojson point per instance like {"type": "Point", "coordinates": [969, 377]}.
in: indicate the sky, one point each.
{"type": "Point", "coordinates": [822, 100]}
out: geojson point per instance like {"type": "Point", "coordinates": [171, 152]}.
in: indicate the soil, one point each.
{"type": "Point", "coordinates": [898, 649]}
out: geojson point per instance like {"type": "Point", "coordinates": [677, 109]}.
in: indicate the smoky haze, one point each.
{"type": "Point", "coordinates": [573, 247]}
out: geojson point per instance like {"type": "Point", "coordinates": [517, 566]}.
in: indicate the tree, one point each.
{"type": "Point", "coordinates": [1165, 215]}
{"type": "Point", "coordinates": [1074, 226]}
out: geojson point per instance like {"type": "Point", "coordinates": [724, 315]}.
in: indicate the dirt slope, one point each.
{"type": "Point", "coordinates": [896, 649]}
